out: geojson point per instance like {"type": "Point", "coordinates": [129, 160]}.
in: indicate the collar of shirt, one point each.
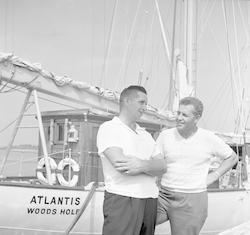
{"type": "Point", "coordinates": [117, 120]}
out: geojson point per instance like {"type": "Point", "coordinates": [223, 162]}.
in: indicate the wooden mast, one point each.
{"type": "Point", "coordinates": [188, 47]}
{"type": "Point", "coordinates": [191, 49]}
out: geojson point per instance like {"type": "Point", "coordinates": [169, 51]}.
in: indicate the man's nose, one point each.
{"type": "Point", "coordinates": [179, 116]}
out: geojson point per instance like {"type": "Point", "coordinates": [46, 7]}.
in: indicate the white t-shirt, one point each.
{"type": "Point", "coordinates": [188, 160]}
{"type": "Point", "coordinates": [140, 144]}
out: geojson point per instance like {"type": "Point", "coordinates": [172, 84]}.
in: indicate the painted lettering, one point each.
{"type": "Point", "coordinates": [45, 201]}
{"type": "Point", "coordinates": [69, 211]}
{"type": "Point", "coordinates": [77, 201]}
{"type": "Point", "coordinates": [40, 198]}
{"type": "Point", "coordinates": [55, 200]}
{"type": "Point", "coordinates": [33, 199]}
{"type": "Point", "coordinates": [41, 211]}
{"type": "Point", "coordinates": [60, 201]}
{"type": "Point", "coordinates": [66, 198]}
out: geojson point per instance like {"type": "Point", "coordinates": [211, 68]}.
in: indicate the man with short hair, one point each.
{"type": "Point", "coordinates": [188, 150]}
{"type": "Point", "coordinates": [131, 161]}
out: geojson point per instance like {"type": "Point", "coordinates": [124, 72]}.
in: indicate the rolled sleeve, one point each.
{"type": "Point", "coordinates": [106, 139]}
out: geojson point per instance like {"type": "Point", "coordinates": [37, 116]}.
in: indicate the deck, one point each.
{"type": "Point", "coordinates": [242, 229]}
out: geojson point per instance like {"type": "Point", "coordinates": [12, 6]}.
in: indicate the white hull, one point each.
{"type": "Point", "coordinates": [38, 209]}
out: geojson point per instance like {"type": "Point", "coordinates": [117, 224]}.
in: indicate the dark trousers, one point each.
{"type": "Point", "coordinates": [129, 216]}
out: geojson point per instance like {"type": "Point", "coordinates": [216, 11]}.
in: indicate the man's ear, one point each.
{"type": "Point", "coordinates": [197, 118]}
{"type": "Point", "coordinates": [126, 100]}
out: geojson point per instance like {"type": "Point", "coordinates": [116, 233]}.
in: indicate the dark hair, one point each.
{"type": "Point", "coordinates": [198, 106]}
{"type": "Point", "coordinates": [131, 89]}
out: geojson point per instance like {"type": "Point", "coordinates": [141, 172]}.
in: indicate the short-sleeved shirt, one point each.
{"type": "Point", "coordinates": [188, 160]}
{"type": "Point", "coordinates": [138, 143]}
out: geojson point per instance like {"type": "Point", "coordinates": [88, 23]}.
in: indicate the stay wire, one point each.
{"type": "Point", "coordinates": [127, 46]}
{"type": "Point", "coordinates": [12, 75]}
{"type": "Point", "coordinates": [131, 50]}
{"type": "Point", "coordinates": [16, 119]}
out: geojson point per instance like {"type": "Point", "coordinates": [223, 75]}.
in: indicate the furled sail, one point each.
{"type": "Point", "coordinates": [182, 88]}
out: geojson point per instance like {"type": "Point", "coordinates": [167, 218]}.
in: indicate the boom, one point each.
{"type": "Point", "coordinates": [31, 76]}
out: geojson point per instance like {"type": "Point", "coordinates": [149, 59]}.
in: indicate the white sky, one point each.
{"type": "Point", "coordinates": [68, 37]}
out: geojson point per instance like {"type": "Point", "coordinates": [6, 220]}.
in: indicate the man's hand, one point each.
{"type": "Point", "coordinates": [129, 166]}
{"type": "Point", "coordinates": [133, 166]}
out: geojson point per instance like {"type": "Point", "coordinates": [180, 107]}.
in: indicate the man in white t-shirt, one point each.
{"type": "Point", "coordinates": [188, 150]}
{"type": "Point", "coordinates": [131, 162]}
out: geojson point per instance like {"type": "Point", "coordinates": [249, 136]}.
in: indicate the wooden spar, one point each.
{"type": "Point", "coordinates": [188, 49]}
{"type": "Point", "coordinates": [76, 92]}
{"type": "Point", "coordinates": [191, 41]}
{"type": "Point", "coordinates": [41, 131]}
{"type": "Point", "coordinates": [7, 151]}
{"type": "Point", "coordinates": [42, 136]}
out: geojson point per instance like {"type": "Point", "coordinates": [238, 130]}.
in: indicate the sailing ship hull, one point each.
{"type": "Point", "coordinates": [39, 209]}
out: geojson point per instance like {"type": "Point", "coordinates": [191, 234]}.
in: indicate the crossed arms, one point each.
{"type": "Point", "coordinates": [132, 165]}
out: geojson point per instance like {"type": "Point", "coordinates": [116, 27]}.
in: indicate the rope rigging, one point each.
{"type": "Point", "coordinates": [236, 64]}
{"type": "Point", "coordinates": [127, 46]}
{"type": "Point", "coordinates": [103, 75]}
{"type": "Point", "coordinates": [32, 103]}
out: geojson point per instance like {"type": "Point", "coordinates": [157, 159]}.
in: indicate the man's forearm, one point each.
{"type": "Point", "coordinates": [227, 164]}
{"type": "Point", "coordinates": [155, 167]}
{"type": "Point", "coordinates": [135, 166]}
